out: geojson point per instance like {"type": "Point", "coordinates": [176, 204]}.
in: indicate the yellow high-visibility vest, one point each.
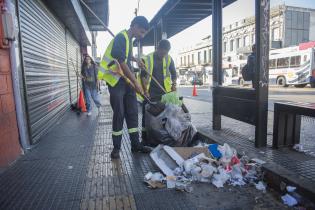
{"type": "Point", "coordinates": [149, 64]}
{"type": "Point", "coordinates": [108, 73]}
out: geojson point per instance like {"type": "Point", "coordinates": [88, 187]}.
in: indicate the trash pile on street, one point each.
{"type": "Point", "coordinates": [219, 165]}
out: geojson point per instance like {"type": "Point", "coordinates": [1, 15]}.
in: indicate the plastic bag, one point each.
{"type": "Point", "coordinates": [171, 98]}
{"type": "Point", "coordinates": [172, 127]}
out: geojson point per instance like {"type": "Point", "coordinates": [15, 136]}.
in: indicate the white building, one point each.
{"type": "Point", "coordinates": [289, 26]}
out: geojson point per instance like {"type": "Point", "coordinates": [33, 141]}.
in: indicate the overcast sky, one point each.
{"type": "Point", "coordinates": [121, 12]}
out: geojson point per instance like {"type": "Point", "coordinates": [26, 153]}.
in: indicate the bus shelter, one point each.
{"type": "Point", "coordinates": [246, 105]}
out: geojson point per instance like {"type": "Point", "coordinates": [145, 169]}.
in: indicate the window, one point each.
{"type": "Point", "coordinates": [199, 57]}
{"type": "Point", "coordinates": [283, 62]}
{"type": "Point", "coordinates": [224, 47]}
{"type": "Point", "coordinates": [193, 59]}
{"type": "Point", "coordinates": [246, 41]}
{"type": "Point", "coordinates": [210, 56]}
{"type": "Point", "coordinates": [205, 56]}
{"type": "Point", "coordinates": [234, 72]}
{"type": "Point", "coordinates": [188, 60]}
{"type": "Point", "coordinates": [275, 34]}
{"type": "Point", "coordinates": [181, 61]}
{"type": "Point", "coordinates": [272, 63]}
{"type": "Point", "coordinates": [238, 43]}
{"type": "Point", "coordinates": [184, 60]}
{"type": "Point", "coordinates": [295, 61]}
{"type": "Point", "coordinates": [232, 45]}
{"type": "Point", "coordinates": [253, 38]}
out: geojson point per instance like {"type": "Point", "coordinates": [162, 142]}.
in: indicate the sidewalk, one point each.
{"type": "Point", "coordinates": [71, 169]}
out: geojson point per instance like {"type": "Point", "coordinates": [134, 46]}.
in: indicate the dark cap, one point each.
{"type": "Point", "coordinates": [164, 44]}
{"type": "Point", "coordinates": [141, 21]}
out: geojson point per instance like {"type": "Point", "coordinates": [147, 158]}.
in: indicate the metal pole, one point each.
{"type": "Point", "coordinates": [155, 37]}
{"type": "Point", "coordinates": [262, 71]}
{"type": "Point", "coordinates": [217, 57]}
{"type": "Point", "coordinates": [163, 29]}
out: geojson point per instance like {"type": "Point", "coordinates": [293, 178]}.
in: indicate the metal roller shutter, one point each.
{"type": "Point", "coordinates": [45, 66]}
{"type": "Point", "coordinates": [74, 64]}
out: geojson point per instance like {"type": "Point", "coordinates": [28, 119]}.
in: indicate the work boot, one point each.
{"type": "Point", "coordinates": [115, 154]}
{"type": "Point", "coordinates": [141, 148]}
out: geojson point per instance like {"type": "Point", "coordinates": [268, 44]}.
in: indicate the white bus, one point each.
{"type": "Point", "coordinates": [292, 66]}
{"type": "Point", "coordinates": [287, 66]}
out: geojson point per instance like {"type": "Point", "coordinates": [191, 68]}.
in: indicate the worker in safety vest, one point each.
{"type": "Point", "coordinates": [161, 66]}
{"type": "Point", "coordinates": [122, 97]}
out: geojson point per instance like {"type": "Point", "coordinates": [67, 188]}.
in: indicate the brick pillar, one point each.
{"type": "Point", "coordinates": [9, 135]}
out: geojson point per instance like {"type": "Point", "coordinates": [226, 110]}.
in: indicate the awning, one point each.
{"type": "Point", "coordinates": [78, 19]}
{"type": "Point", "coordinates": [179, 15]}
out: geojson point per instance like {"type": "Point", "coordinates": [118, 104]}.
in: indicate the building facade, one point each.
{"type": "Point", "coordinates": [289, 26]}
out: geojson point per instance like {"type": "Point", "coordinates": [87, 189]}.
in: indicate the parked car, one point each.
{"type": "Point", "coordinates": [197, 81]}
{"type": "Point", "coordinates": [182, 82]}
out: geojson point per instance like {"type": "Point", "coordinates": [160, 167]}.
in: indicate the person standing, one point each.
{"type": "Point", "coordinates": [251, 62]}
{"type": "Point", "coordinates": [122, 97]}
{"type": "Point", "coordinates": [161, 66]}
{"type": "Point", "coordinates": [90, 83]}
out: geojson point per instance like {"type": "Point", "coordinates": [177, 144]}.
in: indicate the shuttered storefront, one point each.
{"type": "Point", "coordinates": [74, 64]}
{"type": "Point", "coordinates": [45, 66]}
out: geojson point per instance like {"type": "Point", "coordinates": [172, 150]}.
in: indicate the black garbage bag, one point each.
{"type": "Point", "coordinates": [172, 127]}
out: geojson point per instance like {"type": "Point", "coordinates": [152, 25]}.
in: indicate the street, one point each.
{"type": "Point", "coordinates": [276, 94]}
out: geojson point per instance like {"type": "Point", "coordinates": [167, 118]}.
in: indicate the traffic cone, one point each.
{"type": "Point", "coordinates": [82, 102]}
{"type": "Point", "coordinates": [194, 93]}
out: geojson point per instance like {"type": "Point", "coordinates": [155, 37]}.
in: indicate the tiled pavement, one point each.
{"type": "Point", "coordinates": [70, 169]}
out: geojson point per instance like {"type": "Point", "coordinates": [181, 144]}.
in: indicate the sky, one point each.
{"type": "Point", "coordinates": [121, 16]}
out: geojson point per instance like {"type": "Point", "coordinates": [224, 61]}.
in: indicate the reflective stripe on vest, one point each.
{"type": "Point", "coordinates": [108, 73]}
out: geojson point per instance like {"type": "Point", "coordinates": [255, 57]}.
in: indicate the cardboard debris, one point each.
{"type": "Point", "coordinates": [167, 159]}
{"type": "Point", "coordinates": [188, 152]}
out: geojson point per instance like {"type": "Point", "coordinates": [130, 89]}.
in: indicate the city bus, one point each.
{"type": "Point", "coordinates": [292, 66]}
{"type": "Point", "coordinates": [287, 66]}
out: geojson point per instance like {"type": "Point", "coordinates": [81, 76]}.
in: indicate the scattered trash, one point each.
{"type": "Point", "coordinates": [298, 147]}
{"type": "Point", "coordinates": [185, 165]}
{"type": "Point", "coordinates": [70, 167]}
{"type": "Point", "coordinates": [260, 186]}
{"type": "Point", "coordinates": [289, 200]}
{"type": "Point", "coordinates": [148, 176]}
{"type": "Point", "coordinates": [213, 149]}
{"type": "Point", "coordinates": [220, 178]}
{"type": "Point", "coordinates": [154, 180]}
{"type": "Point", "coordinates": [170, 182]}
{"type": "Point", "coordinates": [182, 186]}
{"type": "Point", "coordinates": [291, 189]}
